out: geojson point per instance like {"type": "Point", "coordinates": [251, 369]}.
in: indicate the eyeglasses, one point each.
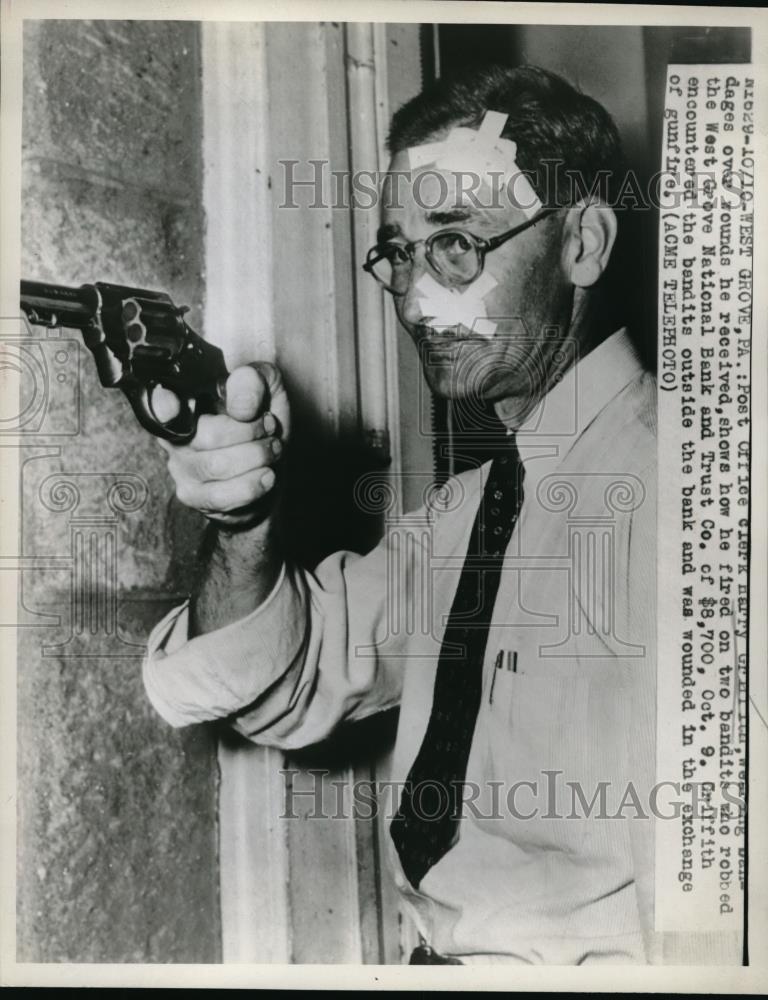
{"type": "Point", "coordinates": [457, 256]}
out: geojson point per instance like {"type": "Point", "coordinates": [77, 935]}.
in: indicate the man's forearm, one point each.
{"type": "Point", "coordinates": [238, 570]}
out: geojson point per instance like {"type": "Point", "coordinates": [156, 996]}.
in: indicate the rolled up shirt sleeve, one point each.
{"type": "Point", "coordinates": [289, 672]}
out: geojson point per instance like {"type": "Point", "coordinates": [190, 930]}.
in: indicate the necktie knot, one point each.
{"type": "Point", "coordinates": [507, 465]}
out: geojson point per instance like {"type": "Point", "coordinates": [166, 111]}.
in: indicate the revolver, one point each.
{"type": "Point", "coordinates": [140, 341]}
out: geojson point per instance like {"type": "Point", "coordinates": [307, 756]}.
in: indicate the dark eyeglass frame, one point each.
{"type": "Point", "coordinates": [482, 248]}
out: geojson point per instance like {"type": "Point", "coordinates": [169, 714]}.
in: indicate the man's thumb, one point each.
{"type": "Point", "coordinates": [247, 393]}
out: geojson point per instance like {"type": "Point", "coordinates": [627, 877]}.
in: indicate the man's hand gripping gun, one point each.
{"type": "Point", "coordinates": [140, 341]}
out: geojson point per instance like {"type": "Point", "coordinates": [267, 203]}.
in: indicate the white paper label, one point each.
{"type": "Point", "coordinates": [705, 317]}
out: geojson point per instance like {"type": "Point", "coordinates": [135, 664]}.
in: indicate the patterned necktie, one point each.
{"type": "Point", "coordinates": [426, 824]}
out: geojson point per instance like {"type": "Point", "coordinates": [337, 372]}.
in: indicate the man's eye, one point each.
{"type": "Point", "coordinates": [393, 253]}
{"type": "Point", "coordinates": [455, 244]}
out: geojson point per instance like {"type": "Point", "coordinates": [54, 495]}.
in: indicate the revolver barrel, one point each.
{"type": "Point", "coordinates": [55, 305]}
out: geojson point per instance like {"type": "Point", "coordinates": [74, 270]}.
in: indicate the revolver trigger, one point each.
{"type": "Point", "coordinates": [179, 429]}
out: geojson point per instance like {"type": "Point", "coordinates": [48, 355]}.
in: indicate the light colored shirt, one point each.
{"type": "Point", "coordinates": [568, 690]}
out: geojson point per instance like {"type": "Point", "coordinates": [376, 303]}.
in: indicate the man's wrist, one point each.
{"type": "Point", "coordinates": [237, 572]}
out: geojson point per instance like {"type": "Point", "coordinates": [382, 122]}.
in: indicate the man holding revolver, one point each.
{"type": "Point", "coordinates": [538, 664]}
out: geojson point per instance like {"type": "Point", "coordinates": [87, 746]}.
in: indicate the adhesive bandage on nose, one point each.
{"type": "Point", "coordinates": [451, 307]}
{"type": "Point", "coordinates": [481, 152]}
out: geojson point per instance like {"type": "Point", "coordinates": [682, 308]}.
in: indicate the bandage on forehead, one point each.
{"type": "Point", "coordinates": [452, 307]}
{"type": "Point", "coordinates": [480, 152]}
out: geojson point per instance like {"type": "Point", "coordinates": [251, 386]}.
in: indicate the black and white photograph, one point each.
{"type": "Point", "coordinates": [383, 541]}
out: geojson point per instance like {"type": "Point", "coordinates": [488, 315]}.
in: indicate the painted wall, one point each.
{"type": "Point", "coordinates": [116, 812]}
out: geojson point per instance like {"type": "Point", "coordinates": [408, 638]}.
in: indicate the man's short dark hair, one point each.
{"type": "Point", "coordinates": [548, 119]}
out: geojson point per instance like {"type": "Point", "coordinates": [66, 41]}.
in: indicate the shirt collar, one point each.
{"type": "Point", "coordinates": [554, 425]}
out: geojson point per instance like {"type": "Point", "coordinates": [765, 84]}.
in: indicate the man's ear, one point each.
{"type": "Point", "coordinates": [590, 235]}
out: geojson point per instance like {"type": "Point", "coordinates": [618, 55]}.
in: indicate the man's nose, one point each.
{"type": "Point", "coordinates": [410, 310]}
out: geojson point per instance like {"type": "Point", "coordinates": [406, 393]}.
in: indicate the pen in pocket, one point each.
{"type": "Point", "coordinates": [511, 664]}
{"type": "Point", "coordinates": [496, 668]}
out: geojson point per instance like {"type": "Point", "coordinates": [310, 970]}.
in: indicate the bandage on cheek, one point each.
{"type": "Point", "coordinates": [484, 154]}
{"type": "Point", "coordinates": [448, 308]}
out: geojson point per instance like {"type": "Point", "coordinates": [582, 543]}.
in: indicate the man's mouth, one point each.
{"type": "Point", "coordinates": [444, 338]}
{"type": "Point", "coordinates": [444, 333]}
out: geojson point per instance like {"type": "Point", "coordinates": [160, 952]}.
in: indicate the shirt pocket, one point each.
{"type": "Point", "coordinates": [548, 744]}
{"type": "Point", "coordinates": [537, 720]}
